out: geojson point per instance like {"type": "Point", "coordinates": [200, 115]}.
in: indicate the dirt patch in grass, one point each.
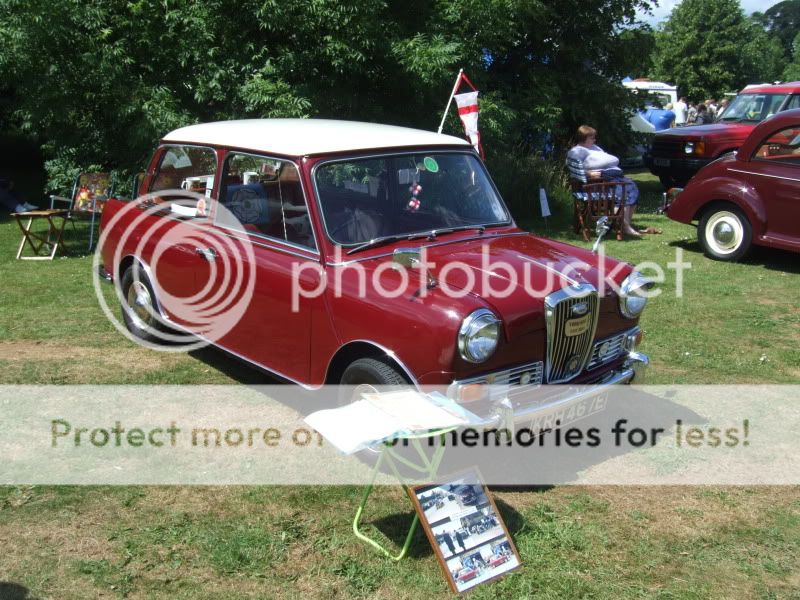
{"type": "Point", "coordinates": [27, 351]}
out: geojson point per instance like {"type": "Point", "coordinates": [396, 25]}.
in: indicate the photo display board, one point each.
{"type": "Point", "coordinates": [465, 530]}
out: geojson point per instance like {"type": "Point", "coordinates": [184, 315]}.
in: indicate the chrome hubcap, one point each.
{"type": "Point", "coordinates": [141, 305]}
{"type": "Point", "coordinates": [724, 232]}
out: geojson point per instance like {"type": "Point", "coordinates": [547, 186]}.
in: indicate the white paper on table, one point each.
{"type": "Point", "coordinates": [414, 411]}
{"type": "Point", "coordinates": [381, 417]}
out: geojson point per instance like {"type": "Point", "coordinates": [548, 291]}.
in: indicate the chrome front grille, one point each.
{"type": "Point", "coordinates": [607, 350]}
{"type": "Point", "coordinates": [571, 318]}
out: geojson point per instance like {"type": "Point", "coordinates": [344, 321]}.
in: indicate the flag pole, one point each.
{"type": "Point", "coordinates": [453, 93]}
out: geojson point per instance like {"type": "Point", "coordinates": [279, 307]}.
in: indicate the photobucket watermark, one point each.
{"type": "Point", "coordinates": [412, 271]}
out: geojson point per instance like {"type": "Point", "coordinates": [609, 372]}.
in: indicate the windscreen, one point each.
{"type": "Point", "coordinates": [366, 198]}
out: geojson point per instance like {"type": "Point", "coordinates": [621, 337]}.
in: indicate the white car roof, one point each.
{"type": "Point", "coordinates": [301, 137]}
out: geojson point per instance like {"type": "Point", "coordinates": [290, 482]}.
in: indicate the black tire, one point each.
{"type": "Point", "coordinates": [139, 305]}
{"type": "Point", "coordinates": [364, 375]}
{"type": "Point", "coordinates": [371, 371]}
{"type": "Point", "coordinates": [667, 181]}
{"type": "Point", "coordinates": [725, 233]}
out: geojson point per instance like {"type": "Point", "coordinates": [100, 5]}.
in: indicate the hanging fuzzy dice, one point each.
{"type": "Point", "coordinates": [413, 203]}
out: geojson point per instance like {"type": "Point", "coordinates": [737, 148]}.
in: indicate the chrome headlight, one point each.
{"type": "Point", "coordinates": [478, 336]}
{"type": "Point", "coordinates": [631, 298]}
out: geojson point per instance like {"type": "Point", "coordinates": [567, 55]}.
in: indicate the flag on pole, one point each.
{"type": "Point", "coordinates": [468, 110]}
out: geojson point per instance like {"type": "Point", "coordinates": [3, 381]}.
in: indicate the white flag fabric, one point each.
{"type": "Point", "coordinates": [468, 112]}
{"type": "Point", "coordinates": [543, 203]}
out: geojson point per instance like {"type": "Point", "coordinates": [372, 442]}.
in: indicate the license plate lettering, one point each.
{"type": "Point", "coordinates": [661, 162]}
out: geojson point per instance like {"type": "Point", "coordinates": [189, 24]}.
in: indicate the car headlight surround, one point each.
{"type": "Point", "coordinates": [695, 147]}
{"type": "Point", "coordinates": [631, 299]}
{"type": "Point", "coordinates": [478, 336]}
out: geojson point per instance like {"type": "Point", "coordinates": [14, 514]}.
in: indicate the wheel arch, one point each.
{"type": "Point", "coordinates": [353, 350]}
{"type": "Point", "coordinates": [128, 261]}
{"type": "Point", "coordinates": [751, 206]}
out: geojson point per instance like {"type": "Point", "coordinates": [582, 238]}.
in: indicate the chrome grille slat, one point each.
{"type": "Point", "coordinates": [616, 346]}
{"type": "Point", "coordinates": [562, 349]}
{"type": "Point", "coordinates": [507, 383]}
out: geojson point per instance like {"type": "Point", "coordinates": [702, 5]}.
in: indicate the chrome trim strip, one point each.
{"type": "Point", "coordinates": [764, 175]}
{"type": "Point", "coordinates": [214, 228]}
{"type": "Point", "coordinates": [551, 269]}
{"type": "Point", "coordinates": [432, 245]}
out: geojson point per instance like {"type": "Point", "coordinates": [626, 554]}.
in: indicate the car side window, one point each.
{"type": "Point", "coordinates": [263, 196]}
{"type": "Point", "coordinates": [794, 102]}
{"type": "Point", "coordinates": [783, 146]}
{"type": "Point", "coordinates": [185, 168]}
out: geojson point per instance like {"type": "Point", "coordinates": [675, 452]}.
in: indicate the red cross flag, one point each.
{"type": "Point", "coordinates": [468, 110]}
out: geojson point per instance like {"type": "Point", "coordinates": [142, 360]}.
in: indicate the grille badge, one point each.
{"type": "Point", "coordinates": [580, 309]}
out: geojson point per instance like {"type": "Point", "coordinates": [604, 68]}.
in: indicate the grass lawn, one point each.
{"type": "Point", "coordinates": [734, 324]}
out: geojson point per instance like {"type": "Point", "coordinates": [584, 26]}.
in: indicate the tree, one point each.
{"type": "Point", "coordinates": [782, 21]}
{"type": "Point", "coordinates": [708, 47]}
{"type": "Point", "coordinates": [99, 81]}
{"type": "Point", "coordinates": [792, 70]}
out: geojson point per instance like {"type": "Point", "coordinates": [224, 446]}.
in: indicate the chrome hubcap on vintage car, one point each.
{"type": "Point", "coordinates": [724, 232]}
{"type": "Point", "coordinates": [141, 305]}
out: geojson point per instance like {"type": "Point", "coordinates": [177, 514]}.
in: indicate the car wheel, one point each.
{"type": "Point", "coordinates": [725, 233]}
{"type": "Point", "coordinates": [667, 181]}
{"type": "Point", "coordinates": [139, 305]}
{"type": "Point", "coordinates": [364, 375]}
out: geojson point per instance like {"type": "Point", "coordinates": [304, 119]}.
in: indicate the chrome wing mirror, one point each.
{"type": "Point", "coordinates": [601, 229]}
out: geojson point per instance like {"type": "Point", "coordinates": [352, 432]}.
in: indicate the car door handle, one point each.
{"type": "Point", "coordinates": [208, 253]}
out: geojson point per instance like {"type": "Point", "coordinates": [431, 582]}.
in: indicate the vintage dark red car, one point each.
{"type": "Point", "coordinates": [677, 154]}
{"type": "Point", "coordinates": [748, 197]}
{"type": "Point", "coordinates": [363, 253]}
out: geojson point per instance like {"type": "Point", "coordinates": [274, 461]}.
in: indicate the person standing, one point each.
{"type": "Point", "coordinates": [680, 109]}
{"type": "Point", "coordinates": [460, 540]}
{"type": "Point", "coordinates": [691, 114]}
{"type": "Point", "coordinates": [703, 116]}
{"type": "Point", "coordinates": [448, 540]}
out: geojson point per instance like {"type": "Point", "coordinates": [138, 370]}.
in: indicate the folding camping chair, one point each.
{"type": "Point", "coordinates": [594, 200]}
{"type": "Point", "coordinates": [89, 195]}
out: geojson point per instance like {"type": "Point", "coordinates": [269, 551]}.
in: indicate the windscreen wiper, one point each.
{"type": "Point", "coordinates": [386, 239]}
{"type": "Point", "coordinates": [434, 232]}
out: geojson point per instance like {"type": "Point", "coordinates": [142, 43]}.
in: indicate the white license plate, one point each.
{"type": "Point", "coordinates": [661, 162]}
{"type": "Point", "coordinates": [575, 412]}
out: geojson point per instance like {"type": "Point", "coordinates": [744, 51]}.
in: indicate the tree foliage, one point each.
{"type": "Point", "coordinates": [708, 47]}
{"type": "Point", "coordinates": [782, 20]}
{"type": "Point", "coordinates": [99, 81]}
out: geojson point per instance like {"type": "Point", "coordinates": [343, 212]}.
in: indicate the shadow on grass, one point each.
{"type": "Point", "coordinates": [395, 527]}
{"type": "Point", "coordinates": [771, 259]}
{"type": "Point", "coordinates": [14, 591]}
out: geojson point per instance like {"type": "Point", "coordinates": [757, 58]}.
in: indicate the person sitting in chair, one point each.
{"type": "Point", "coordinates": [601, 166]}
{"type": "Point", "coordinates": [10, 200]}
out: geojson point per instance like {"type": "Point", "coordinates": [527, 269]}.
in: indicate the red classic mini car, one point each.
{"type": "Point", "coordinates": [748, 197]}
{"type": "Point", "coordinates": [364, 254]}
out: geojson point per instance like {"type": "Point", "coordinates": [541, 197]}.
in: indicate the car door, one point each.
{"type": "Point", "coordinates": [265, 248]}
{"type": "Point", "coordinates": [775, 172]}
{"type": "Point", "coordinates": [170, 241]}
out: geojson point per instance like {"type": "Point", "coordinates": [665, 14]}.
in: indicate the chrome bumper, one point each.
{"type": "Point", "coordinates": [504, 413]}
